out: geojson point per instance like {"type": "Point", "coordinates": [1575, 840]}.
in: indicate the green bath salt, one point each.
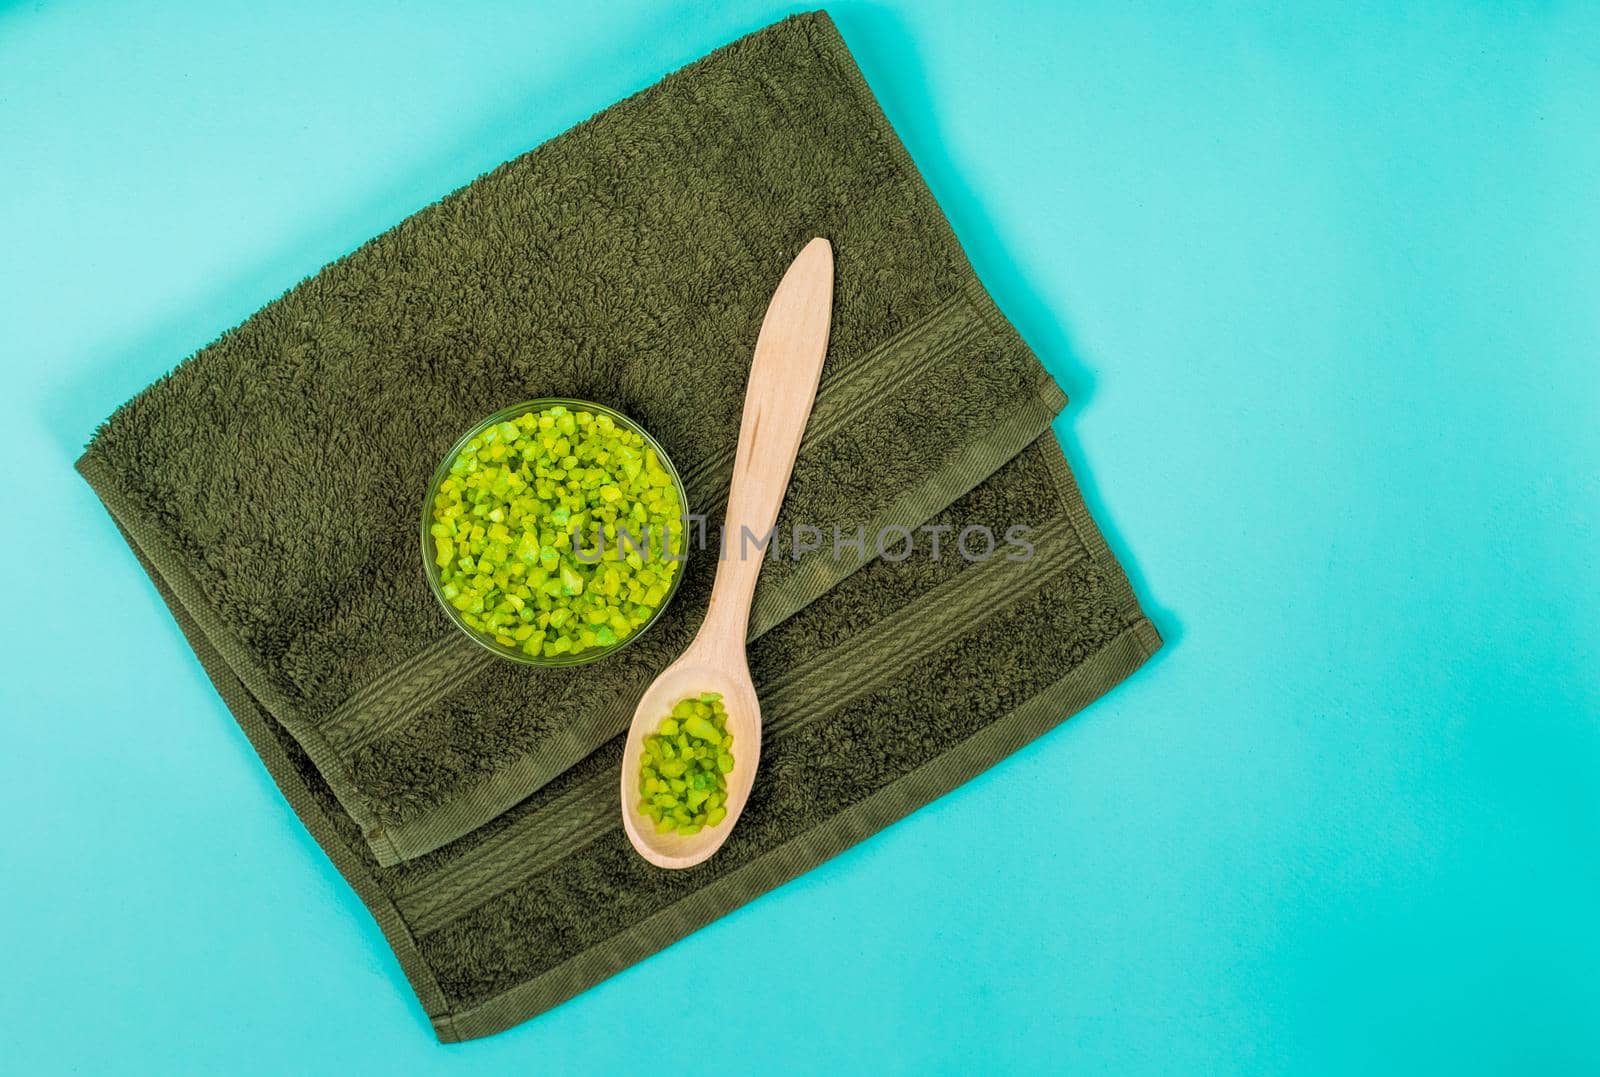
{"type": "Point", "coordinates": [683, 770]}
{"type": "Point", "coordinates": [557, 532]}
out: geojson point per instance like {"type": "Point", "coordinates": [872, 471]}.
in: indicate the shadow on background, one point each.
{"type": "Point", "coordinates": [886, 52]}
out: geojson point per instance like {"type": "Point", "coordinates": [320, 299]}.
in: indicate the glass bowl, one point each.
{"type": "Point", "coordinates": [431, 570]}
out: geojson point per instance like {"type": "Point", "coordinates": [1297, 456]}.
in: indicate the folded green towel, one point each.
{"type": "Point", "coordinates": [276, 478]}
{"type": "Point", "coordinates": [271, 487]}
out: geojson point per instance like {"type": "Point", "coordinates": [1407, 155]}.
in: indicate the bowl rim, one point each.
{"type": "Point", "coordinates": [430, 570]}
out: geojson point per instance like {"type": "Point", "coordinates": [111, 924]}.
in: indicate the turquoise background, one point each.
{"type": "Point", "coordinates": [1323, 285]}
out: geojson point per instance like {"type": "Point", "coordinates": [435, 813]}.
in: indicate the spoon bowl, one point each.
{"type": "Point", "coordinates": [691, 675]}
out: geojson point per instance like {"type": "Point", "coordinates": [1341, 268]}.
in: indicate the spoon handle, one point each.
{"type": "Point", "coordinates": [783, 387]}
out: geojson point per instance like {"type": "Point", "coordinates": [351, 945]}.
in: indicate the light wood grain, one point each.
{"type": "Point", "coordinates": [778, 401]}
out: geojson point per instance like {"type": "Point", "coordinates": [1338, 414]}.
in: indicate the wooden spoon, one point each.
{"type": "Point", "coordinates": [783, 386]}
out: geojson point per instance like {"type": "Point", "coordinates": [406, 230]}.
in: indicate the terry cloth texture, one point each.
{"type": "Point", "coordinates": [278, 475]}
{"type": "Point", "coordinates": [272, 487]}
